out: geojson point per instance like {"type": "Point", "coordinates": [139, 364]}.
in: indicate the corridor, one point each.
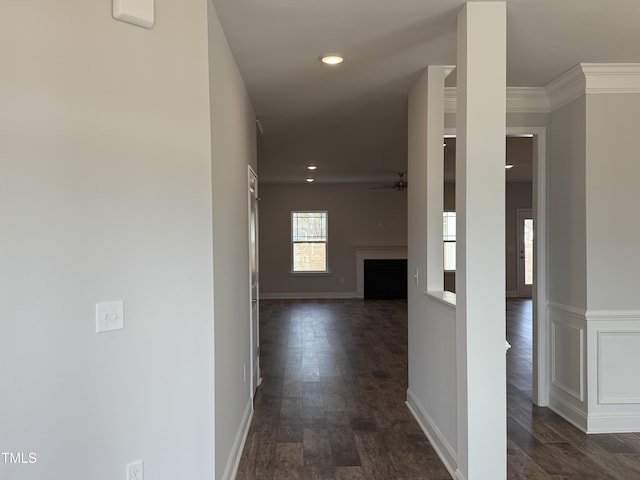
{"type": "Point", "coordinates": [331, 404]}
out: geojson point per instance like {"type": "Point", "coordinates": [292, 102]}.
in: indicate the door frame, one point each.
{"type": "Point", "coordinates": [254, 320]}
{"type": "Point", "coordinates": [524, 291]}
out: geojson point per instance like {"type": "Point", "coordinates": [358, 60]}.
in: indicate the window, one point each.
{"type": "Point", "coordinates": [309, 241]}
{"type": "Point", "coordinates": [449, 237]}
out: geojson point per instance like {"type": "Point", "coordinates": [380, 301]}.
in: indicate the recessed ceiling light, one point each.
{"type": "Point", "coordinates": [332, 58]}
{"type": "Point", "coordinates": [508, 166]}
{"type": "Point", "coordinates": [309, 180]}
{"type": "Point", "coordinates": [311, 167]}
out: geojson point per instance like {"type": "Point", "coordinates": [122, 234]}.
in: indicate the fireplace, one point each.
{"type": "Point", "coordinates": [370, 252]}
{"type": "Point", "coordinates": [385, 279]}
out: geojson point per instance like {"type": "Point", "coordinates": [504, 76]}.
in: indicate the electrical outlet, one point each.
{"type": "Point", "coordinates": [109, 316]}
{"type": "Point", "coordinates": [135, 470]}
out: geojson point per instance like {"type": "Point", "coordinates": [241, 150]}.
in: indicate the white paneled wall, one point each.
{"type": "Point", "coordinates": [614, 386]}
{"type": "Point", "coordinates": [594, 381]}
{"type": "Point", "coordinates": [568, 363]}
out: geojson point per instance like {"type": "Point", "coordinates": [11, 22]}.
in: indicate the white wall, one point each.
{"type": "Point", "coordinates": [612, 200]}
{"type": "Point", "coordinates": [432, 388]}
{"type": "Point", "coordinates": [358, 216]}
{"type": "Point", "coordinates": [105, 193]}
{"type": "Point", "coordinates": [567, 261]}
{"type": "Point", "coordinates": [566, 196]}
{"type": "Point", "coordinates": [613, 262]}
{"type": "Point", "coordinates": [233, 147]}
{"type": "Point", "coordinates": [594, 309]}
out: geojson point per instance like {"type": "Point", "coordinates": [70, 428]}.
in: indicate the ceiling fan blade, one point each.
{"type": "Point", "coordinates": [399, 185]}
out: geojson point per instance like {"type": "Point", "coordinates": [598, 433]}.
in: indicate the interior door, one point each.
{"type": "Point", "coordinates": [254, 279]}
{"type": "Point", "coordinates": [525, 252]}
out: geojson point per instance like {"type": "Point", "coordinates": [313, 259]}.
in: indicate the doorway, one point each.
{"type": "Point", "coordinates": [541, 336]}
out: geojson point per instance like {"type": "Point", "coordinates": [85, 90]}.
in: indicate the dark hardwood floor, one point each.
{"type": "Point", "coordinates": [331, 404]}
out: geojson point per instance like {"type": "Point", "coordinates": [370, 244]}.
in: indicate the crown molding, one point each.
{"type": "Point", "coordinates": [593, 78]}
{"type": "Point", "coordinates": [612, 77]}
{"type": "Point", "coordinates": [567, 87]}
{"type": "Point", "coordinates": [527, 100]}
{"type": "Point", "coordinates": [519, 100]}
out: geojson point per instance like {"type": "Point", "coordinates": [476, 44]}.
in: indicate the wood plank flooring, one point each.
{"type": "Point", "coordinates": [331, 405]}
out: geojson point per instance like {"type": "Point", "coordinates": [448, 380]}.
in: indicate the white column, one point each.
{"type": "Point", "coordinates": [480, 206]}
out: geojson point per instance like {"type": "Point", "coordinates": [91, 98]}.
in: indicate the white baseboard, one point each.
{"type": "Point", "coordinates": [306, 295]}
{"type": "Point", "coordinates": [440, 444]}
{"type": "Point", "coordinates": [233, 461]}
{"type": "Point", "coordinates": [569, 412]}
{"type": "Point", "coordinates": [459, 476]}
{"type": "Point", "coordinates": [614, 424]}
{"type": "Point", "coordinates": [592, 424]}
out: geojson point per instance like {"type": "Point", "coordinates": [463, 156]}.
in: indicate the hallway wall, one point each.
{"type": "Point", "coordinates": [233, 148]}
{"type": "Point", "coordinates": [594, 308]}
{"type": "Point", "coordinates": [105, 194]}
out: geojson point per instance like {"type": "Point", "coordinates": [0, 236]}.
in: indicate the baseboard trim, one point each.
{"type": "Point", "coordinates": [459, 476]}
{"type": "Point", "coordinates": [306, 295]}
{"type": "Point", "coordinates": [238, 444]}
{"type": "Point", "coordinates": [614, 424]}
{"type": "Point", "coordinates": [569, 412]}
{"type": "Point", "coordinates": [440, 444]}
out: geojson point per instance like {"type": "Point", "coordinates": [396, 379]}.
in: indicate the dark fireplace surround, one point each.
{"type": "Point", "coordinates": [385, 279]}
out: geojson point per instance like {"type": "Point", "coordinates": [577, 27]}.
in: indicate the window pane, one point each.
{"type": "Point", "coordinates": [449, 237]}
{"type": "Point", "coordinates": [309, 257]}
{"type": "Point", "coordinates": [309, 226]}
{"type": "Point", "coordinates": [528, 251]}
{"type": "Point", "coordinates": [449, 255]}
{"type": "Point", "coordinates": [309, 238]}
{"type": "Point", "coordinates": [449, 226]}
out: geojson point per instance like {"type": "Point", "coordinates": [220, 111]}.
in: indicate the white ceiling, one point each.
{"type": "Point", "coordinates": [351, 119]}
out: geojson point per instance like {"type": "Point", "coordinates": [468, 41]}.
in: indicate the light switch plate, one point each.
{"type": "Point", "coordinates": [109, 316]}
{"type": "Point", "coordinates": [138, 12]}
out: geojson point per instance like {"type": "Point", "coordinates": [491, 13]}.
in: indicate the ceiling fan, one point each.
{"type": "Point", "coordinates": [400, 185]}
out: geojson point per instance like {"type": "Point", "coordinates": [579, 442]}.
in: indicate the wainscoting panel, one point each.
{"type": "Point", "coordinates": [618, 362]}
{"type": "Point", "coordinates": [568, 364]}
{"type": "Point", "coordinates": [613, 339]}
